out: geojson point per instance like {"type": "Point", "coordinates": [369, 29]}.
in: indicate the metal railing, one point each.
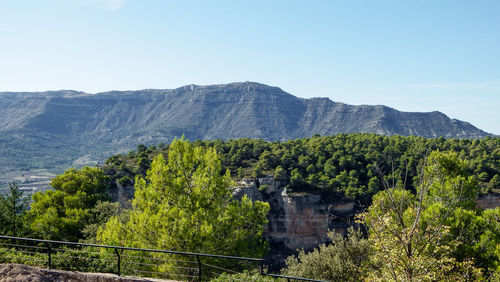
{"type": "Point", "coordinates": [190, 269]}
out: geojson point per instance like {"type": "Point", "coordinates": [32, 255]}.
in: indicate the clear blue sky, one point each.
{"type": "Point", "coordinates": [410, 55]}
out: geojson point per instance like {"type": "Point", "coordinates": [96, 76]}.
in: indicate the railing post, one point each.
{"type": "Point", "coordinates": [14, 242]}
{"type": "Point", "coordinates": [49, 253]}
{"type": "Point", "coordinates": [119, 262]}
{"type": "Point", "coordinates": [261, 267]}
{"type": "Point", "coordinates": [199, 267]}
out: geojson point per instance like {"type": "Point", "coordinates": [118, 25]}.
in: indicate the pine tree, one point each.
{"type": "Point", "coordinates": [185, 204]}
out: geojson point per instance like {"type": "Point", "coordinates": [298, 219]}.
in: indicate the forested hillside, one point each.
{"type": "Point", "coordinates": [418, 218]}
{"type": "Point", "coordinates": [349, 164]}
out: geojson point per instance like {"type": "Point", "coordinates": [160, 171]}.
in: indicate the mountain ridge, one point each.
{"type": "Point", "coordinates": [66, 125]}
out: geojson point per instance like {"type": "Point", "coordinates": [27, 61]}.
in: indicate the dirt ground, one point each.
{"type": "Point", "coordinates": [25, 273]}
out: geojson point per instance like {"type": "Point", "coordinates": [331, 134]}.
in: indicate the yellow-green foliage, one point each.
{"type": "Point", "coordinates": [185, 204]}
{"type": "Point", "coordinates": [342, 260]}
{"type": "Point", "coordinates": [417, 237]}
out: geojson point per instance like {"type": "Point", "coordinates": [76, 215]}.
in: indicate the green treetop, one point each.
{"type": "Point", "coordinates": [185, 204]}
{"type": "Point", "coordinates": [13, 207]}
{"type": "Point", "coordinates": [420, 236]}
{"type": "Point", "coordinates": [63, 213]}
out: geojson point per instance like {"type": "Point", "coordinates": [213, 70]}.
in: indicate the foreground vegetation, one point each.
{"type": "Point", "coordinates": [185, 204]}
{"type": "Point", "coordinates": [421, 219]}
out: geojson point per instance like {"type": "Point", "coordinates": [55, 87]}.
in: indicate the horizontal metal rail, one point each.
{"type": "Point", "coordinates": [49, 243]}
{"type": "Point", "coordinates": [292, 277]}
{"type": "Point", "coordinates": [132, 249]}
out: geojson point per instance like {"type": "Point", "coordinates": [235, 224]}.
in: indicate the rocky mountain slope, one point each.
{"type": "Point", "coordinates": [61, 128]}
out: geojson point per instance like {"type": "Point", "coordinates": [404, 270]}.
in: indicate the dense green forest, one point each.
{"type": "Point", "coordinates": [350, 164]}
{"type": "Point", "coordinates": [420, 220]}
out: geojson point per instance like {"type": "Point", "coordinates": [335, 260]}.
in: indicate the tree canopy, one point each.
{"type": "Point", "coordinates": [63, 213]}
{"type": "Point", "coordinates": [184, 203]}
{"type": "Point", "coordinates": [432, 232]}
{"type": "Point", "coordinates": [422, 219]}
{"type": "Point", "coordinates": [345, 164]}
{"type": "Point", "coordinates": [418, 236]}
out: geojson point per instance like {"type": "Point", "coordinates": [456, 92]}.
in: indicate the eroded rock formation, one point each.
{"type": "Point", "coordinates": [297, 220]}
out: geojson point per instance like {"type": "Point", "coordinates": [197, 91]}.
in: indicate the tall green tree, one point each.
{"type": "Point", "coordinates": [488, 246]}
{"type": "Point", "coordinates": [185, 204]}
{"type": "Point", "coordinates": [412, 234]}
{"type": "Point", "coordinates": [63, 213]}
{"type": "Point", "coordinates": [13, 208]}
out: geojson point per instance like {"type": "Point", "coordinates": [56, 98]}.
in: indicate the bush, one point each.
{"type": "Point", "coordinates": [245, 276]}
{"type": "Point", "coordinates": [342, 260]}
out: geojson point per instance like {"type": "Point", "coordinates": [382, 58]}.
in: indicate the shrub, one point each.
{"type": "Point", "coordinates": [342, 260]}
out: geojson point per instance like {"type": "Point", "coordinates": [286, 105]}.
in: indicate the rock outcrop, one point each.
{"type": "Point", "coordinates": [297, 220]}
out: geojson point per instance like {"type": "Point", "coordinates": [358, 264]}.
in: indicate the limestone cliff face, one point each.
{"type": "Point", "coordinates": [297, 220]}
